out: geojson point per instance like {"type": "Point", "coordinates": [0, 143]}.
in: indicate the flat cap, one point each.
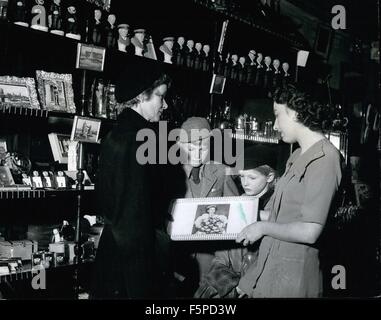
{"type": "Point", "coordinates": [194, 129]}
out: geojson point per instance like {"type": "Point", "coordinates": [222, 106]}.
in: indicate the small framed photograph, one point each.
{"type": "Point", "coordinates": [218, 84]}
{"type": "Point", "coordinates": [363, 194]}
{"type": "Point", "coordinates": [85, 129]}
{"type": "Point", "coordinates": [18, 92]}
{"type": "Point", "coordinates": [60, 146]}
{"type": "Point", "coordinates": [56, 91]}
{"type": "Point", "coordinates": [3, 146]}
{"type": "Point", "coordinates": [323, 41]}
{"type": "Point", "coordinates": [6, 178]}
{"type": "Point", "coordinates": [90, 57]}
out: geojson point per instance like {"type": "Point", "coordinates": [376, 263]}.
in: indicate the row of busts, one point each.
{"type": "Point", "coordinates": [53, 18]}
{"type": "Point", "coordinates": [253, 69]}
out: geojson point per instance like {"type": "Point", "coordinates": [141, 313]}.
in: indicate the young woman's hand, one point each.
{"type": "Point", "coordinates": [250, 234]}
{"type": "Point", "coordinates": [241, 294]}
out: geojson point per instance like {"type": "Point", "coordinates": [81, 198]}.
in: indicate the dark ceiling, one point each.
{"type": "Point", "coordinates": [362, 15]}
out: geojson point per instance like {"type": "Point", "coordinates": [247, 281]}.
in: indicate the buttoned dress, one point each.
{"type": "Point", "coordinates": [304, 193]}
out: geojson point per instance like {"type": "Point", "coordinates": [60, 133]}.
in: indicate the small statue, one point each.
{"type": "Point", "coordinates": [55, 18]}
{"type": "Point", "coordinates": [39, 16]}
{"type": "Point", "coordinates": [268, 78]}
{"type": "Point", "coordinates": [124, 40]}
{"type": "Point", "coordinates": [242, 69]}
{"type": "Point", "coordinates": [198, 56]}
{"type": "Point", "coordinates": [138, 41]}
{"type": "Point", "coordinates": [166, 48]}
{"type": "Point", "coordinates": [20, 13]}
{"type": "Point", "coordinates": [110, 31]}
{"type": "Point", "coordinates": [178, 51]}
{"type": "Point", "coordinates": [227, 65]}
{"type": "Point", "coordinates": [189, 54]}
{"type": "Point", "coordinates": [206, 58]}
{"type": "Point", "coordinates": [285, 67]}
{"type": "Point", "coordinates": [277, 79]}
{"type": "Point", "coordinates": [72, 23]}
{"type": "Point", "coordinates": [234, 67]}
{"type": "Point", "coordinates": [3, 9]}
{"type": "Point", "coordinates": [251, 67]}
{"type": "Point", "coordinates": [56, 236]}
{"type": "Point", "coordinates": [259, 77]}
{"type": "Point", "coordinates": [96, 28]}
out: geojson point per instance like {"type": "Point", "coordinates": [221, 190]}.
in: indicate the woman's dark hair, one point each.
{"type": "Point", "coordinates": [313, 114]}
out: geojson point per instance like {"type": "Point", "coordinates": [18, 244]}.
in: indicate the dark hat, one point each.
{"type": "Point", "coordinates": [139, 30]}
{"type": "Point", "coordinates": [258, 155]}
{"type": "Point", "coordinates": [135, 78]}
{"type": "Point", "coordinates": [194, 129]}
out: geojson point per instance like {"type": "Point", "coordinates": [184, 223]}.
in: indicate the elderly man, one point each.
{"type": "Point", "coordinates": [203, 178]}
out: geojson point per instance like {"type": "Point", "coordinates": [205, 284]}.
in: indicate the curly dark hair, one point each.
{"type": "Point", "coordinates": [313, 114]}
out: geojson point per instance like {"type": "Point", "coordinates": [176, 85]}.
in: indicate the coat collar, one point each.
{"type": "Point", "coordinates": [132, 119]}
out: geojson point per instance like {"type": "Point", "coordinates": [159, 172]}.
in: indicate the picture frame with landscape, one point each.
{"type": "Point", "coordinates": [18, 92]}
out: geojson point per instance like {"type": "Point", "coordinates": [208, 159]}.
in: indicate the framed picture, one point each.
{"type": "Point", "coordinates": [60, 146]}
{"type": "Point", "coordinates": [3, 146]}
{"type": "Point", "coordinates": [18, 92]}
{"type": "Point", "coordinates": [363, 194]}
{"type": "Point", "coordinates": [323, 40]}
{"type": "Point", "coordinates": [85, 129]}
{"type": "Point", "coordinates": [6, 178]}
{"type": "Point", "coordinates": [218, 84]}
{"type": "Point", "coordinates": [56, 91]}
{"type": "Point", "coordinates": [90, 57]}
{"type": "Point", "coordinates": [212, 218]}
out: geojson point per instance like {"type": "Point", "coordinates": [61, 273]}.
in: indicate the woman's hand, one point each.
{"type": "Point", "coordinates": [250, 234]}
{"type": "Point", "coordinates": [241, 294]}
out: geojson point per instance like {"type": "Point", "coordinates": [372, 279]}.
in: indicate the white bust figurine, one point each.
{"type": "Point", "coordinates": [276, 65]}
{"type": "Point", "coordinates": [252, 57]}
{"type": "Point", "coordinates": [198, 47]}
{"type": "Point", "coordinates": [111, 19]}
{"type": "Point", "coordinates": [138, 40]}
{"type": "Point", "coordinates": [259, 60]}
{"type": "Point", "coordinates": [285, 67]}
{"type": "Point", "coordinates": [242, 61]}
{"type": "Point", "coordinates": [206, 49]}
{"type": "Point", "coordinates": [268, 63]}
{"type": "Point", "coordinates": [180, 42]}
{"type": "Point", "coordinates": [234, 59]}
{"type": "Point", "coordinates": [166, 48]}
{"type": "Point", "coordinates": [190, 45]}
{"type": "Point", "coordinates": [123, 40]}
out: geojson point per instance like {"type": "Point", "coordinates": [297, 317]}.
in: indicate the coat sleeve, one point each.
{"type": "Point", "coordinates": [125, 193]}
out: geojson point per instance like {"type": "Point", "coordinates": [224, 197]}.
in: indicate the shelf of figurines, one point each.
{"type": "Point", "coordinates": [16, 269]}
{"type": "Point", "coordinates": [218, 7]}
{"type": "Point", "coordinates": [47, 185]}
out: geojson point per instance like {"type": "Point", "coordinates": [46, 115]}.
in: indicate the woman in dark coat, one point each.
{"type": "Point", "coordinates": [126, 264]}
